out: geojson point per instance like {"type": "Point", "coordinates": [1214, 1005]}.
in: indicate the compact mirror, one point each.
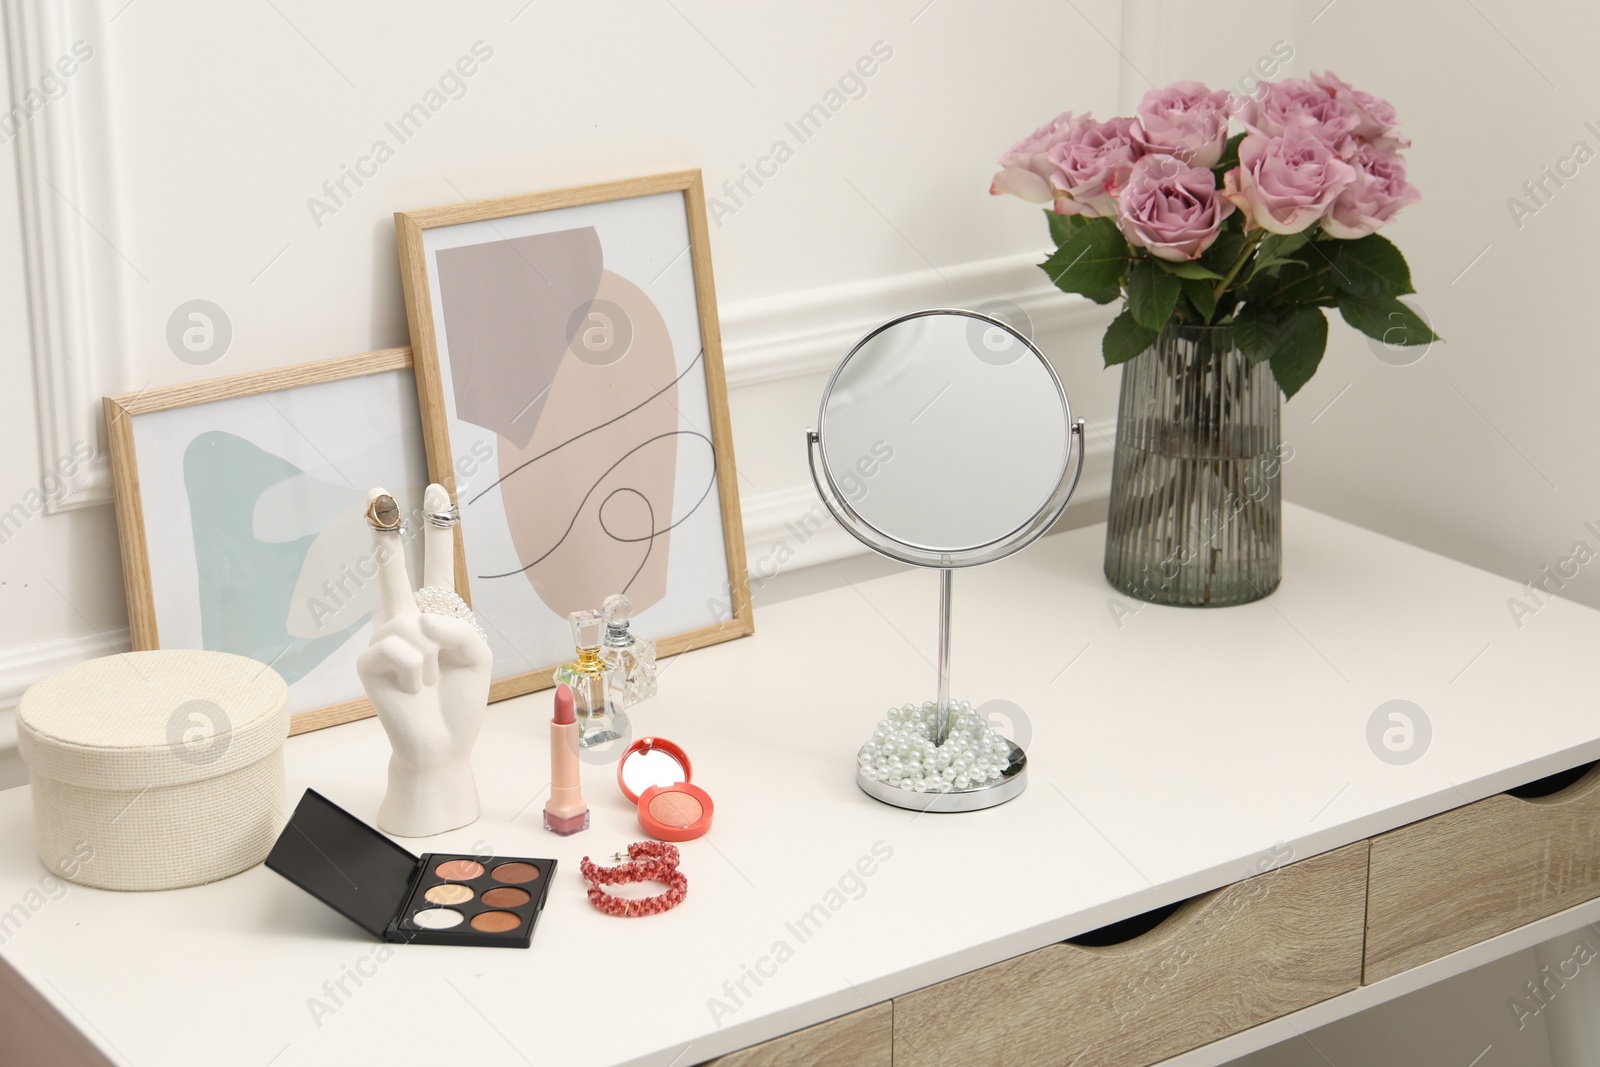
{"type": "Point", "coordinates": [945, 440]}
{"type": "Point", "coordinates": [651, 761]}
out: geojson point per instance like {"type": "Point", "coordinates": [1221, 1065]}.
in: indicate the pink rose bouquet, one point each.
{"type": "Point", "coordinates": [1260, 230]}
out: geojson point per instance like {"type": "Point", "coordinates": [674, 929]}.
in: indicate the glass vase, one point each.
{"type": "Point", "coordinates": [1196, 505]}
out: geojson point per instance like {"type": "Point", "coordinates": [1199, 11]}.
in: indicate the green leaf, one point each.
{"type": "Point", "coordinates": [1230, 155]}
{"type": "Point", "coordinates": [1293, 339]}
{"type": "Point", "coordinates": [1387, 319]}
{"type": "Point", "coordinates": [1279, 245]}
{"type": "Point", "coordinates": [1125, 339]}
{"type": "Point", "coordinates": [1274, 253]}
{"type": "Point", "coordinates": [1063, 226]}
{"type": "Point", "coordinates": [1304, 337]}
{"type": "Point", "coordinates": [1199, 292]}
{"type": "Point", "coordinates": [1106, 295]}
{"type": "Point", "coordinates": [1187, 269]}
{"type": "Point", "coordinates": [1251, 333]}
{"type": "Point", "coordinates": [1225, 249]}
{"type": "Point", "coordinates": [1091, 259]}
{"type": "Point", "coordinates": [1152, 294]}
{"type": "Point", "coordinates": [1368, 267]}
{"type": "Point", "coordinates": [1290, 284]}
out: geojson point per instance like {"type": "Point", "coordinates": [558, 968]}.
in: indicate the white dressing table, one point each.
{"type": "Point", "coordinates": [1174, 754]}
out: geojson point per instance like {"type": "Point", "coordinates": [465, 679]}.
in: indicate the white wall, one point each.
{"type": "Point", "coordinates": [1482, 449]}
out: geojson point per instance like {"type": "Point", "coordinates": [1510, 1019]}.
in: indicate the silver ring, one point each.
{"type": "Point", "coordinates": [447, 519]}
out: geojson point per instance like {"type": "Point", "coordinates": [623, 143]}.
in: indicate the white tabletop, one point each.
{"type": "Point", "coordinates": [1169, 751]}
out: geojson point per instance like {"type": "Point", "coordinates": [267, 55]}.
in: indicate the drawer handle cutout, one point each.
{"type": "Point", "coordinates": [1126, 929]}
{"type": "Point", "coordinates": [1552, 784]}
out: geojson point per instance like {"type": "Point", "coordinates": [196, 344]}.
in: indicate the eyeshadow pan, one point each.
{"type": "Point", "coordinates": [495, 922]}
{"type": "Point", "coordinates": [437, 918]}
{"type": "Point", "coordinates": [448, 894]}
{"type": "Point", "coordinates": [675, 809]}
{"type": "Point", "coordinates": [506, 897]}
{"type": "Point", "coordinates": [514, 872]}
{"type": "Point", "coordinates": [459, 870]}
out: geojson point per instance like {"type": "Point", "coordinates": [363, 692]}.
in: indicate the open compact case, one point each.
{"type": "Point", "coordinates": [436, 899]}
{"type": "Point", "coordinates": [654, 773]}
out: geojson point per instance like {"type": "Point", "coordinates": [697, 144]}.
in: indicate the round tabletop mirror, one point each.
{"type": "Point", "coordinates": [945, 440]}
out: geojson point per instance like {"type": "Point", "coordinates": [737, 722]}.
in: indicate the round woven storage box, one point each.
{"type": "Point", "coordinates": [156, 770]}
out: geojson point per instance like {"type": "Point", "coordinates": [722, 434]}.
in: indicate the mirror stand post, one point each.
{"type": "Point", "coordinates": [941, 722]}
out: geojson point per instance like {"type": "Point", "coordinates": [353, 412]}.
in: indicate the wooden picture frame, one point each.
{"type": "Point", "coordinates": [315, 436]}
{"type": "Point", "coordinates": [585, 299]}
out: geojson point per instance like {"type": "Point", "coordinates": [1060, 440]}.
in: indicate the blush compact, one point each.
{"type": "Point", "coordinates": [437, 898]}
{"type": "Point", "coordinates": [654, 774]}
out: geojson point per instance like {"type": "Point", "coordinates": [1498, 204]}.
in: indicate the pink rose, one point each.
{"type": "Point", "coordinates": [1284, 184]}
{"type": "Point", "coordinates": [1185, 120]}
{"type": "Point", "coordinates": [1092, 166]}
{"type": "Point", "coordinates": [1171, 210]}
{"type": "Point", "coordinates": [1379, 190]}
{"type": "Point", "coordinates": [1296, 103]}
{"type": "Point", "coordinates": [1025, 168]}
{"type": "Point", "coordinates": [1376, 117]}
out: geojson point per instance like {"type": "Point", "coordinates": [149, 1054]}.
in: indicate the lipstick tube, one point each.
{"type": "Point", "coordinates": [565, 813]}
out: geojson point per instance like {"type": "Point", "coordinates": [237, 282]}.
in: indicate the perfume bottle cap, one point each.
{"type": "Point", "coordinates": [586, 628]}
{"type": "Point", "coordinates": [617, 610]}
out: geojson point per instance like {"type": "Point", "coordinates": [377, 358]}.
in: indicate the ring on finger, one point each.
{"type": "Point", "coordinates": [384, 514]}
{"type": "Point", "coordinates": [447, 519]}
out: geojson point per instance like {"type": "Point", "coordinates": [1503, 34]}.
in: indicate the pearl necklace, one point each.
{"type": "Point", "coordinates": [901, 750]}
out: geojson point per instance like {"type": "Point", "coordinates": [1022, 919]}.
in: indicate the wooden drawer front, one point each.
{"type": "Point", "coordinates": [1458, 878]}
{"type": "Point", "coordinates": [1222, 962]}
{"type": "Point", "coordinates": [860, 1039]}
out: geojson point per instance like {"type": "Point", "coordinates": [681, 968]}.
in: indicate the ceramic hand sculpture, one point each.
{"type": "Point", "coordinates": [427, 674]}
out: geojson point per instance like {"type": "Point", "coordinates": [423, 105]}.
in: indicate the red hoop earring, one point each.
{"type": "Point", "coordinates": [646, 861]}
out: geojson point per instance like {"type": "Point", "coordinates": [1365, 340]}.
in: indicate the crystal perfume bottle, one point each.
{"type": "Point", "coordinates": [599, 719]}
{"type": "Point", "coordinates": [632, 659]}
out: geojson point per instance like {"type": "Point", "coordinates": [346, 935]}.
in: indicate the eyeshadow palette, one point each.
{"type": "Point", "coordinates": [438, 898]}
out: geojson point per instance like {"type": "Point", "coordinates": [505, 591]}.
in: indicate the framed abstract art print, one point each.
{"type": "Point", "coordinates": [239, 510]}
{"type": "Point", "coordinates": [569, 372]}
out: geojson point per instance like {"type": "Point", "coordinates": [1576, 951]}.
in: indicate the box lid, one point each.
{"type": "Point", "coordinates": [143, 719]}
{"type": "Point", "coordinates": [344, 863]}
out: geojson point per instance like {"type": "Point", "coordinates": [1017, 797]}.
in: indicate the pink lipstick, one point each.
{"type": "Point", "coordinates": [565, 813]}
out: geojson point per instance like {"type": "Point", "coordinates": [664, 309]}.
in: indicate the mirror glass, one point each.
{"type": "Point", "coordinates": [648, 767]}
{"type": "Point", "coordinates": [945, 431]}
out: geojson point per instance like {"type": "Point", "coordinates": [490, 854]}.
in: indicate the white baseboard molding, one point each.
{"type": "Point", "coordinates": [20, 668]}
{"type": "Point", "coordinates": [808, 332]}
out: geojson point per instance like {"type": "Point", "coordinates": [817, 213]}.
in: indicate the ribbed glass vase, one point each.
{"type": "Point", "coordinates": [1196, 505]}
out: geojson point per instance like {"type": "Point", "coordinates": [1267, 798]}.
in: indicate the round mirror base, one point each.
{"type": "Point", "coordinates": [975, 798]}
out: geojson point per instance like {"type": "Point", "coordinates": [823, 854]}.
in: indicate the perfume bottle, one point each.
{"type": "Point", "coordinates": [632, 659]}
{"type": "Point", "coordinates": [599, 719]}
